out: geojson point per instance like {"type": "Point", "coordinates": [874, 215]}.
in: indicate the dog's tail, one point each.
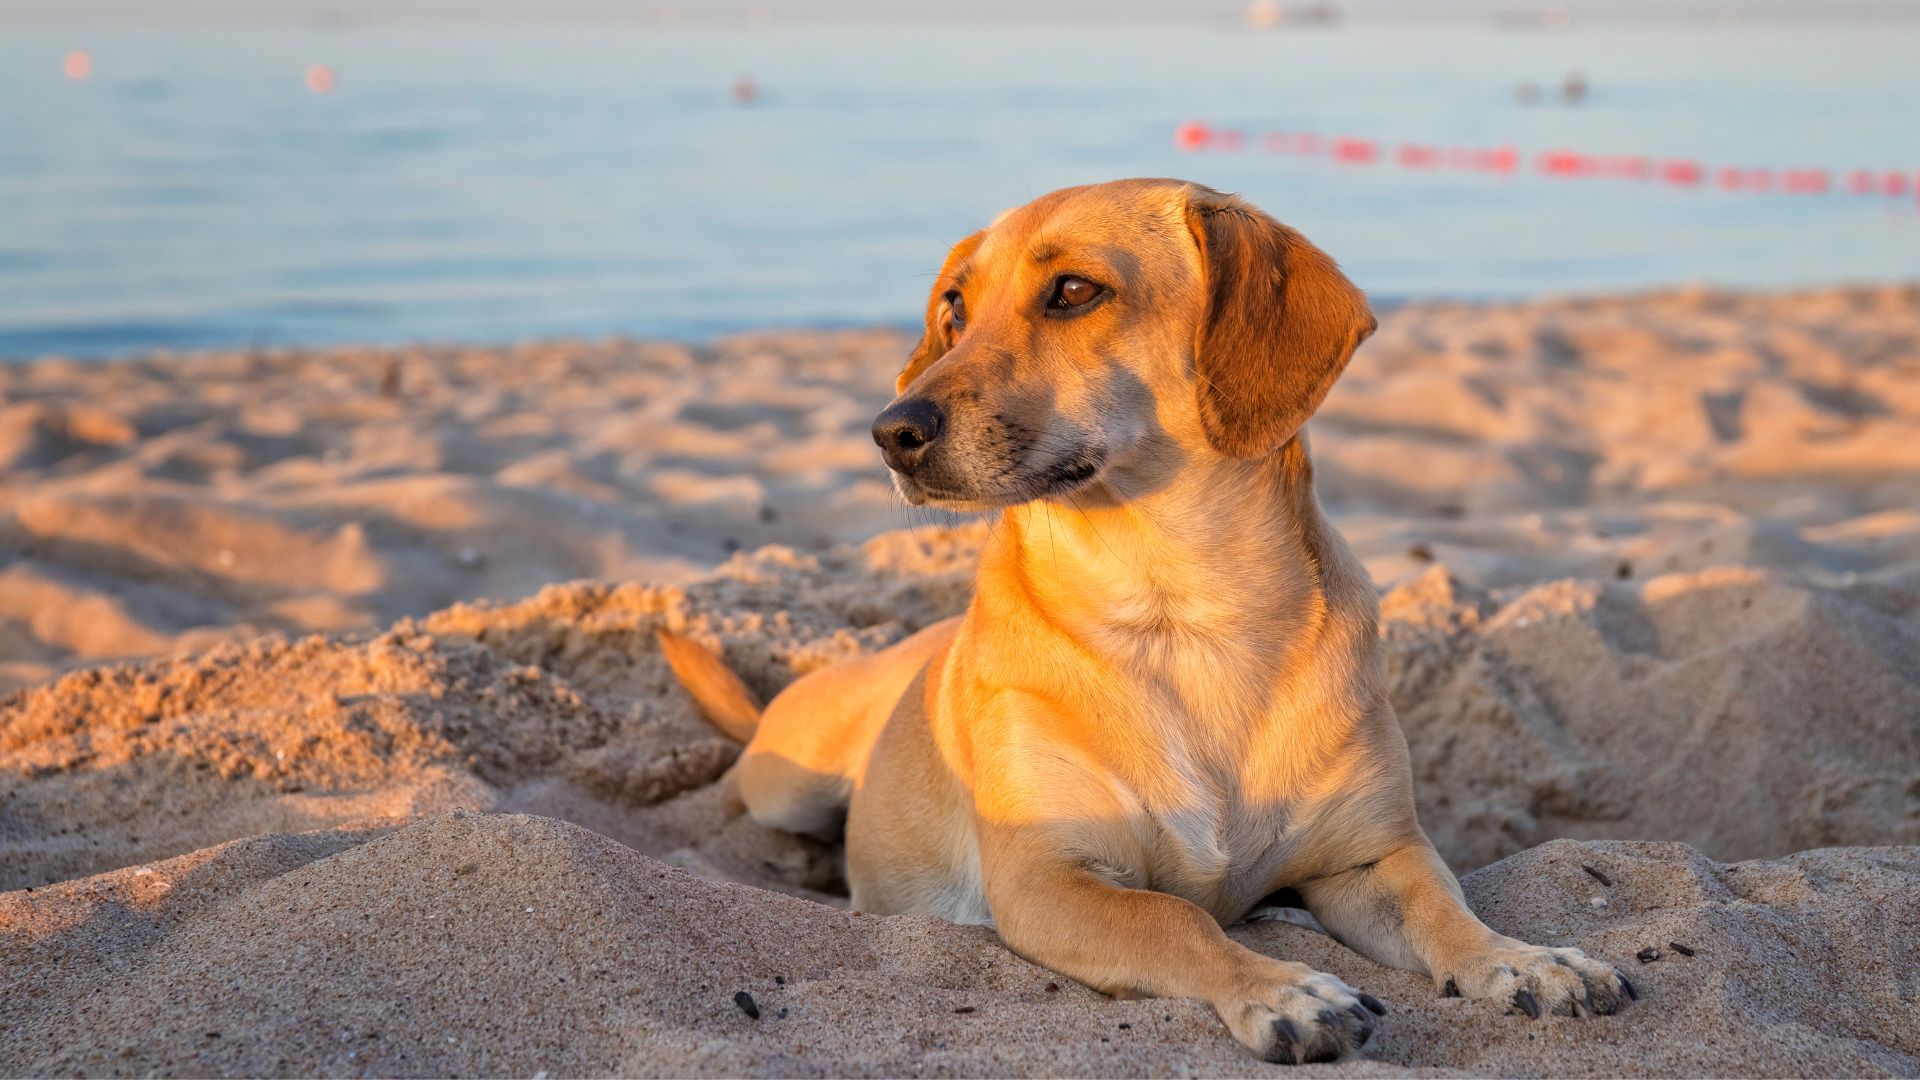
{"type": "Point", "coordinates": [723, 699]}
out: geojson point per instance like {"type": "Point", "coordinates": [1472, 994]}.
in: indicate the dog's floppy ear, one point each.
{"type": "Point", "coordinates": [938, 337]}
{"type": "Point", "coordinates": [1279, 324]}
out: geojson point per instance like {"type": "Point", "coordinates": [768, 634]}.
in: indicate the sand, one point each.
{"type": "Point", "coordinates": [368, 793]}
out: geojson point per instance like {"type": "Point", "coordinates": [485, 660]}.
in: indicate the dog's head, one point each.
{"type": "Point", "coordinates": [1115, 331]}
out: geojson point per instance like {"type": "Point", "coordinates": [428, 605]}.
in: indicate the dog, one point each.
{"type": "Point", "coordinates": [1167, 699]}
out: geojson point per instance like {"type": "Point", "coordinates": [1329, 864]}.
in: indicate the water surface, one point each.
{"type": "Point", "coordinates": [494, 181]}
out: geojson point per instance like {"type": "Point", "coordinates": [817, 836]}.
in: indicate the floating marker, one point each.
{"type": "Point", "coordinates": [321, 79]}
{"type": "Point", "coordinates": [1805, 181]}
{"type": "Point", "coordinates": [1354, 151]}
{"type": "Point", "coordinates": [1557, 163]}
{"type": "Point", "coordinates": [77, 65]}
{"type": "Point", "coordinates": [1682, 172]}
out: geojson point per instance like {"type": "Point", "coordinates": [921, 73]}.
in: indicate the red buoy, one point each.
{"type": "Point", "coordinates": [1416, 157]}
{"type": "Point", "coordinates": [1354, 151]}
{"type": "Point", "coordinates": [1682, 172]}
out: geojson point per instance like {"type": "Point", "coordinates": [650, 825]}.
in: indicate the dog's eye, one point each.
{"type": "Point", "coordinates": [957, 306]}
{"type": "Point", "coordinates": [1071, 292]}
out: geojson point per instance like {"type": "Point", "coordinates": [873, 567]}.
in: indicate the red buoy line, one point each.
{"type": "Point", "coordinates": [1196, 137]}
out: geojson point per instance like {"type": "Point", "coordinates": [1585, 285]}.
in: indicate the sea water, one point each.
{"type": "Point", "coordinates": [493, 181]}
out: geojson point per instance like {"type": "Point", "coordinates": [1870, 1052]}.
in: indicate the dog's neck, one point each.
{"type": "Point", "coordinates": [1219, 578]}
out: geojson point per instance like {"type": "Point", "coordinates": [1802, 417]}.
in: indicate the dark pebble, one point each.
{"type": "Point", "coordinates": [779, 980]}
{"type": "Point", "coordinates": [1053, 988]}
{"type": "Point", "coordinates": [1126, 1027]}
{"type": "Point", "coordinates": [1597, 875]}
{"type": "Point", "coordinates": [1420, 553]}
{"type": "Point", "coordinates": [747, 1004]}
{"type": "Point", "coordinates": [1683, 950]}
{"type": "Point", "coordinates": [1647, 955]}
{"type": "Point", "coordinates": [1624, 570]}
{"type": "Point", "coordinates": [964, 1009]}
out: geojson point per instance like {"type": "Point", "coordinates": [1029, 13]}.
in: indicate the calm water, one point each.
{"type": "Point", "coordinates": [498, 181]}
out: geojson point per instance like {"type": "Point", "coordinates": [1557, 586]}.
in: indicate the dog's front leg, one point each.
{"type": "Point", "coordinates": [1135, 943]}
{"type": "Point", "coordinates": [1407, 911]}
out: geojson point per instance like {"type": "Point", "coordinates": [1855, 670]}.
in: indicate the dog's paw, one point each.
{"type": "Point", "coordinates": [1535, 980]}
{"type": "Point", "coordinates": [1292, 1014]}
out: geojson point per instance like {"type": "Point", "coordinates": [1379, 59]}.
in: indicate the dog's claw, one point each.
{"type": "Point", "coordinates": [1627, 988]}
{"type": "Point", "coordinates": [1525, 1002]}
{"type": "Point", "coordinates": [1452, 989]}
{"type": "Point", "coordinates": [1289, 1037]}
{"type": "Point", "coordinates": [1299, 1020]}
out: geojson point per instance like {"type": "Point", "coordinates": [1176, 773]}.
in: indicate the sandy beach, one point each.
{"type": "Point", "coordinates": [337, 741]}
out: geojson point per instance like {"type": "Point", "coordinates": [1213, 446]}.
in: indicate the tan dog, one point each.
{"type": "Point", "coordinates": [1167, 699]}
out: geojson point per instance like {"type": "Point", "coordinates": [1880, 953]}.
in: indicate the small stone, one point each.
{"type": "Point", "coordinates": [1647, 955]}
{"type": "Point", "coordinates": [1596, 874]}
{"type": "Point", "coordinates": [964, 1009]}
{"type": "Point", "coordinates": [1683, 950]}
{"type": "Point", "coordinates": [1596, 902]}
{"type": "Point", "coordinates": [747, 1004]}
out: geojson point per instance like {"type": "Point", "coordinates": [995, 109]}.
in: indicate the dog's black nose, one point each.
{"type": "Point", "coordinates": [905, 431]}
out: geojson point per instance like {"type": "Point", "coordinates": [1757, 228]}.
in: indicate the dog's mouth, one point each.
{"type": "Point", "coordinates": [1009, 486]}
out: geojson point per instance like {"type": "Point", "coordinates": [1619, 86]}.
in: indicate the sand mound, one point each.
{"type": "Point", "coordinates": [1750, 713]}
{"type": "Point", "coordinates": [484, 945]}
{"type": "Point", "coordinates": [560, 697]}
{"type": "Point", "coordinates": [1738, 710]}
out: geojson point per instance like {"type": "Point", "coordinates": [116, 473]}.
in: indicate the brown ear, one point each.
{"type": "Point", "coordinates": [934, 342]}
{"type": "Point", "coordinates": [1280, 323]}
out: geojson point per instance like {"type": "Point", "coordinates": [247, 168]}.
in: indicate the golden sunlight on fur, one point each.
{"type": "Point", "coordinates": [1166, 701]}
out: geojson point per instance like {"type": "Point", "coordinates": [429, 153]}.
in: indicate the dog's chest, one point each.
{"type": "Point", "coordinates": [1199, 703]}
{"type": "Point", "coordinates": [1217, 836]}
